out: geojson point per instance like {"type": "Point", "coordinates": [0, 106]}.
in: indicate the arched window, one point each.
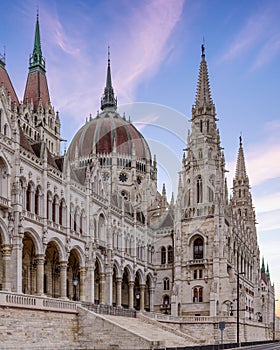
{"type": "Point", "coordinates": [163, 255]}
{"type": "Point", "coordinates": [199, 189]}
{"type": "Point", "coordinates": [201, 126]}
{"type": "Point", "coordinates": [166, 283]}
{"type": "Point", "coordinates": [170, 255]}
{"type": "Point", "coordinates": [197, 294]}
{"type": "Point", "coordinates": [208, 126]}
{"type": "Point", "coordinates": [200, 154]}
{"type": "Point", "coordinates": [210, 195]}
{"type": "Point", "coordinates": [37, 201]}
{"type": "Point", "coordinates": [198, 248]}
{"type": "Point", "coordinates": [165, 300]}
{"type": "Point", "coordinates": [28, 197]}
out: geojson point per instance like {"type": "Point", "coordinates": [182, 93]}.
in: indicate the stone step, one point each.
{"type": "Point", "coordinates": [149, 331]}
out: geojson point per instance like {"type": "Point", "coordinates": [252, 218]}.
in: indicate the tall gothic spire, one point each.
{"type": "Point", "coordinates": [240, 173]}
{"type": "Point", "coordinates": [108, 100]}
{"type": "Point", "coordinates": [36, 60]}
{"type": "Point", "coordinates": [203, 94]}
{"type": "Point", "coordinates": [36, 89]}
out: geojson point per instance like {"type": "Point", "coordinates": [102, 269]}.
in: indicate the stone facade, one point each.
{"type": "Point", "coordinates": [90, 225]}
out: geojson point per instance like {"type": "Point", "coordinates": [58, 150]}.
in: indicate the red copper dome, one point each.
{"type": "Point", "coordinates": [99, 135]}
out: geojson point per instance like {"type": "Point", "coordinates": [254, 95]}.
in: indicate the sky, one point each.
{"type": "Point", "coordinates": [155, 51]}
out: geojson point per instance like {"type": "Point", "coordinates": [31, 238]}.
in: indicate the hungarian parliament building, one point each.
{"type": "Point", "coordinates": [91, 225]}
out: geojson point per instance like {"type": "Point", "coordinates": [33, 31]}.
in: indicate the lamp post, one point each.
{"type": "Point", "coordinates": [166, 306]}
{"type": "Point", "coordinates": [75, 283]}
{"type": "Point", "coordinates": [137, 296]}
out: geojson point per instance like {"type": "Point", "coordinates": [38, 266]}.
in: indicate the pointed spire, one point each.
{"type": "Point", "coordinates": [108, 99]}
{"type": "Point", "coordinates": [36, 60]}
{"type": "Point", "coordinates": [203, 93]}
{"type": "Point", "coordinates": [267, 271]}
{"type": "Point", "coordinates": [263, 266]}
{"type": "Point", "coordinates": [240, 172]}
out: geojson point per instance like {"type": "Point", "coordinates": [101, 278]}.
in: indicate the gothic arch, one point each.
{"type": "Point", "coordinates": [130, 273]}
{"type": "Point", "coordinates": [79, 253]}
{"type": "Point", "coordinates": [141, 276]}
{"type": "Point", "coordinates": [99, 259]}
{"type": "Point", "coordinates": [35, 237]}
{"type": "Point", "coordinates": [118, 268]}
{"type": "Point", "coordinates": [196, 234]}
{"type": "Point", "coordinates": [60, 247]}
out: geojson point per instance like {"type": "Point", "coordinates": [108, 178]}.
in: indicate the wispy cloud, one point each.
{"type": "Point", "coordinates": [260, 32]}
{"type": "Point", "coordinates": [146, 45]}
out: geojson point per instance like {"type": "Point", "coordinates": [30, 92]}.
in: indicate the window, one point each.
{"type": "Point", "coordinates": [199, 189]}
{"type": "Point", "coordinates": [195, 274]}
{"type": "Point", "coordinates": [163, 255]}
{"type": "Point", "coordinates": [197, 294]}
{"type": "Point", "coordinates": [166, 283]}
{"type": "Point", "coordinates": [198, 248]}
{"type": "Point", "coordinates": [170, 255]}
{"type": "Point", "coordinates": [37, 199]}
{"type": "Point", "coordinates": [28, 197]}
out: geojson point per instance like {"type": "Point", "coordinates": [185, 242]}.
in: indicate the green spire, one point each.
{"type": "Point", "coordinates": [36, 60]}
{"type": "Point", "coordinates": [267, 272]}
{"type": "Point", "coordinates": [263, 267]}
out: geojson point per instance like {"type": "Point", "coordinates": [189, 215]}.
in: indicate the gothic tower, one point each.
{"type": "Point", "coordinates": [38, 119]}
{"type": "Point", "coordinates": [201, 221]}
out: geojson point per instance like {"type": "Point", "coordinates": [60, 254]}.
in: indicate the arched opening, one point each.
{"type": "Point", "coordinates": [137, 292]}
{"type": "Point", "coordinates": [97, 282]}
{"type": "Point", "coordinates": [52, 271]}
{"type": "Point", "coordinates": [125, 288]}
{"type": "Point", "coordinates": [29, 267]}
{"type": "Point", "coordinates": [73, 276]}
{"type": "Point", "coordinates": [3, 179]}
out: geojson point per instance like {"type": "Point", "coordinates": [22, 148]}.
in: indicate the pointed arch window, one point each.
{"type": "Point", "coordinates": [37, 201]}
{"type": "Point", "coordinates": [201, 126]}
{"type": "Point", "coordinates": [197, 294]}
{"type": "Point", "coordinates": [28, 197]}
{"type": "Point", "coordinates": [199, 189]}
{"type": "Point", "coordinates": [198, 248]}
{"type": "Point", "coordinates": [170, 255]}
{"type": "Point", "coordinates": [166, 283]}
{"type": "Point", "coordinates": [163, 255]}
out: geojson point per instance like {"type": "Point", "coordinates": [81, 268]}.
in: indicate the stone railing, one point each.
{"type": "Point", "coordinates": [9, 299]}
{"type": "Point", "coordinates": [4, 202]}
{"type": "Point", "coordinates": [182, 319]}
{"type": "Point", "coordinates": [109, 310]}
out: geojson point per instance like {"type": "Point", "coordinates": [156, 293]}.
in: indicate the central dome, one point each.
{"type": "Point", "coordinates": [106, 133]}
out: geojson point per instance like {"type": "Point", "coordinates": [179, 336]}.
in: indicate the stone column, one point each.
{"type": "Point", "coordinates": [152, 299]}
{"type": "Point", "coordinates": [40, 260]}
{"type": "Point", "coordinates": [109, 288]}
{"type": "Point", "coordinates": [131, 294]}
{"type": "Point", "coordinates": [102, 288]}
{"type": "Point", "coordinates": [82, 283]}
{"type": "Point", "coordinates": [142, 297]}
{"type": "Point", "coordinates": [63, 279]}
{"type": "Point", "coordinates": [119, 292]}
{"type": "Point", "coordinates": [6, 256]}
{"type": "Point", "coordinates": [91, 283]}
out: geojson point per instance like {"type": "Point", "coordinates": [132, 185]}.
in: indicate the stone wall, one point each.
{"type": "Point", "coordinates": [35, 329]}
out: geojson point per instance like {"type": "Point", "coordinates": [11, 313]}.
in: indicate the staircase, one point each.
{"type": "Point", "coordinates": [155, 333]}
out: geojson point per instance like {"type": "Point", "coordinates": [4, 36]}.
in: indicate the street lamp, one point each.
{"type": "Point", "coordinates": [137, 296]}
{"type": "Point", "coordinates": [166, 306]}
{"type": "Point", "coordinates": [75, 283]}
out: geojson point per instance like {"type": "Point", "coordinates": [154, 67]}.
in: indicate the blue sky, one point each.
{"type": "Point", "coordinates": [155, 56]}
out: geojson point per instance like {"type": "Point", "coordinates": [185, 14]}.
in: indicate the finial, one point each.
{"type": "Point", "coordinates": [108, 54]}
{"type": "Point", "coordinates": [203, 47]}
{"type": "Point", "coordinates": [240, 139]}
